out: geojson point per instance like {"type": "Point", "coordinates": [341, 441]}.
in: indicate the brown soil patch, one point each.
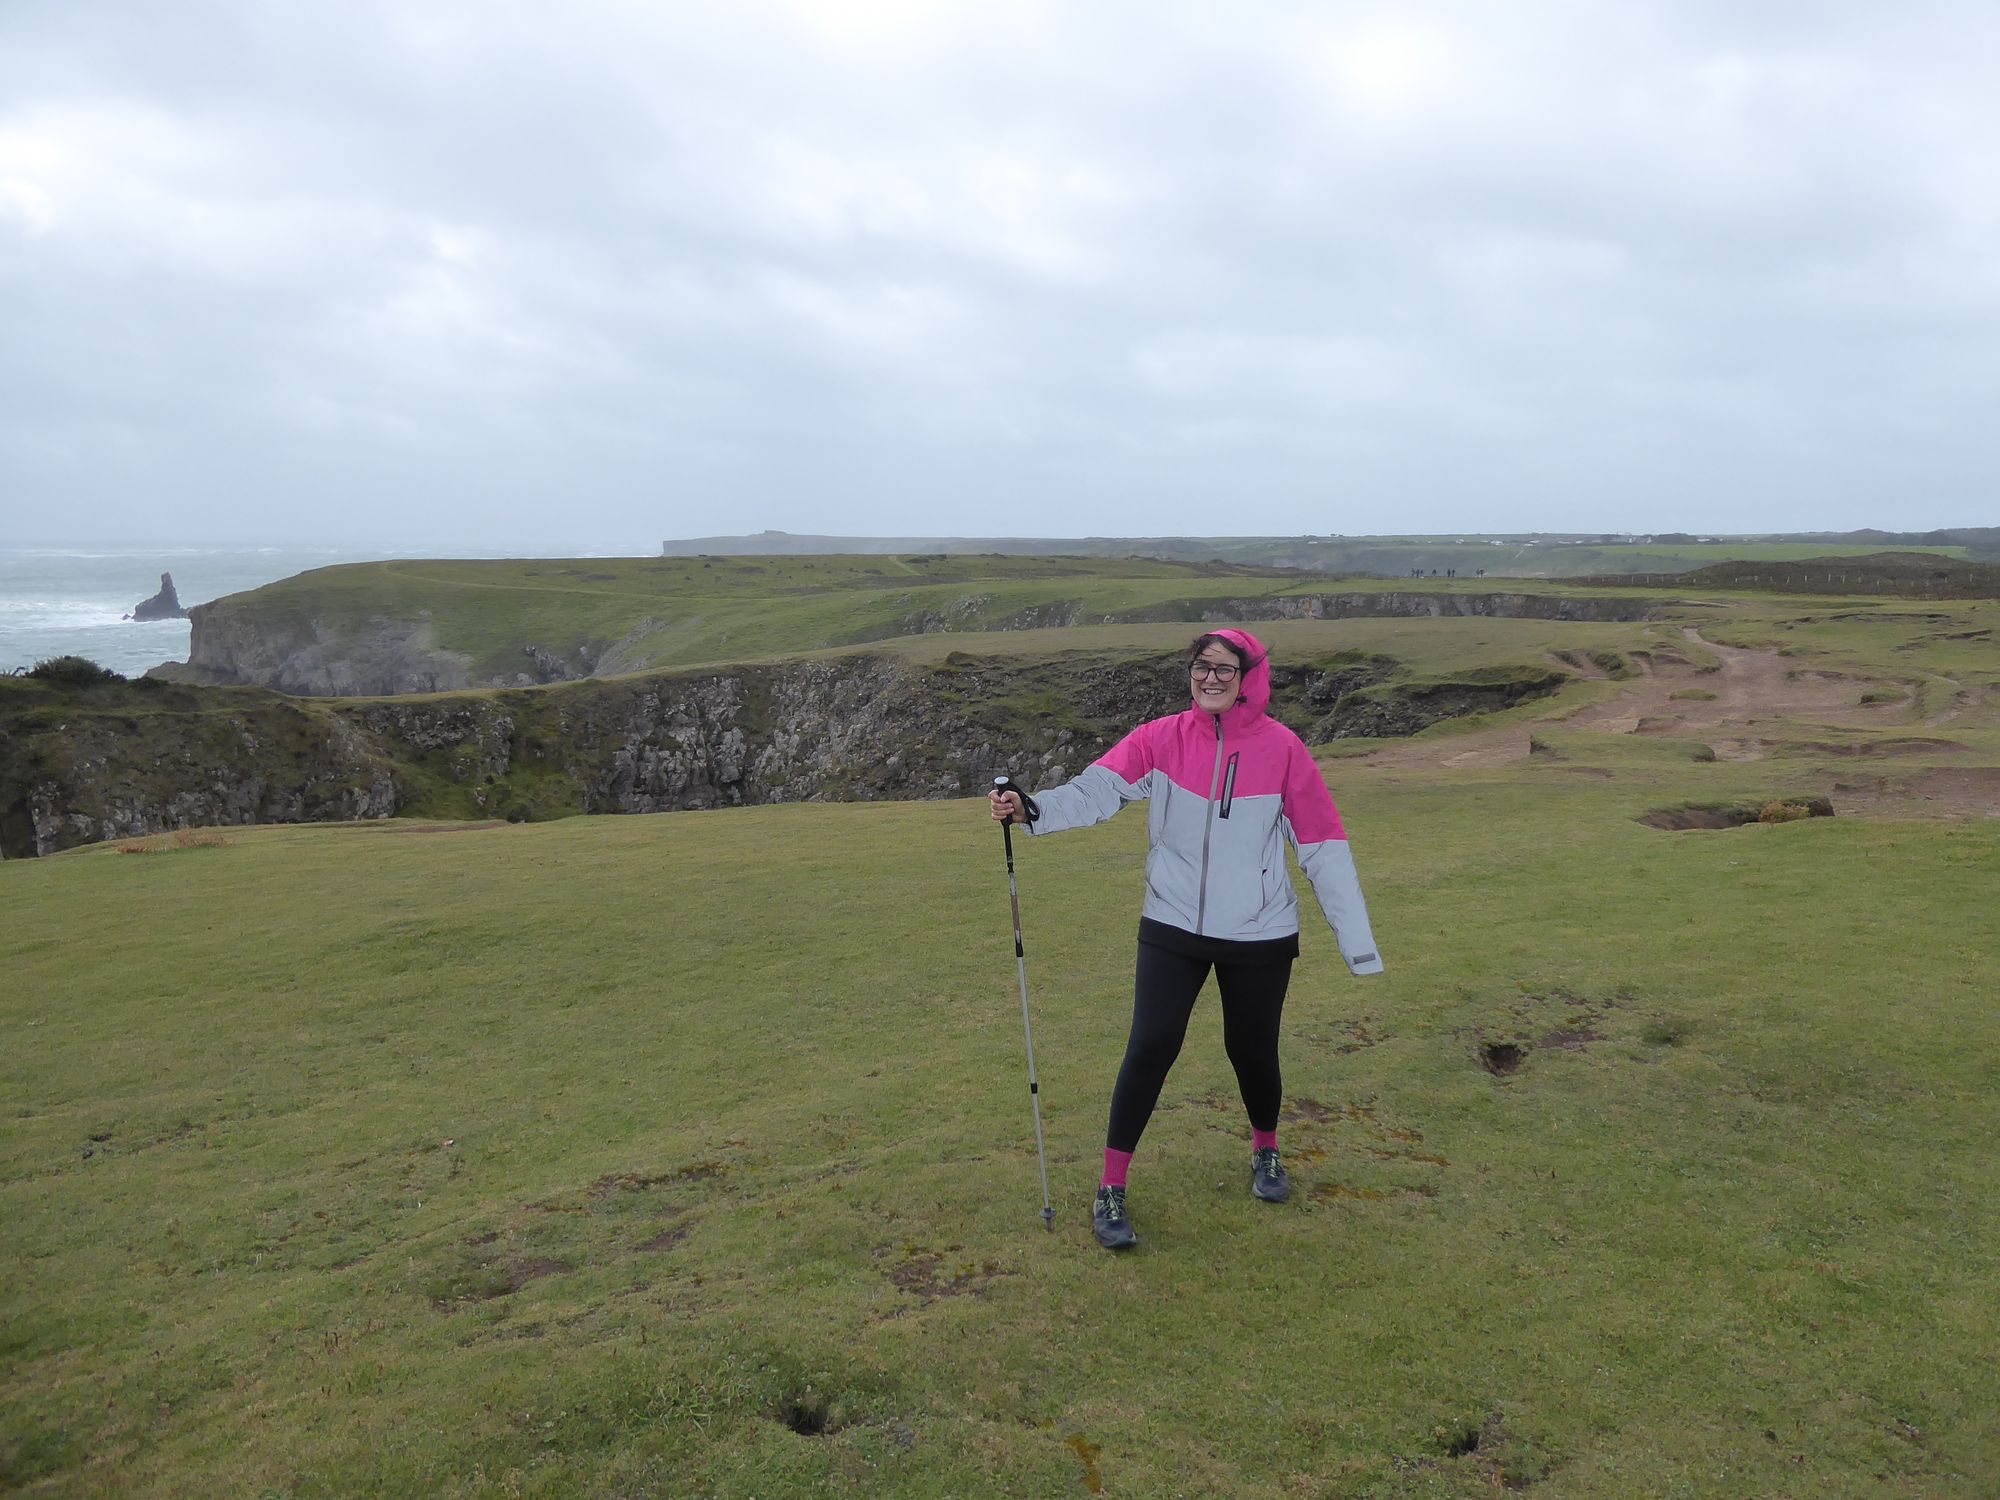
{"type": "Point", "coordinates": [1962, 703]}
{"type": "Point", "coordinates": [1759, 696]}
{"type": "Point", "coordinates": [1729, 749]}
{"type": "Point", "coordinates": [533, 1268]}
{"type": "Point", "coordinates": [925, 1275]}
{"type": "Point", "coordinates": [640, 1182]}
{"type": "Point", "coordinates": [1947, 792]}
{"type": "Point", "coordinates": [1738, 814]}
{"type": "Point", "coordinates": [483, 1283]}
{"type": "Point", "coordinates": [397, 825]}
{"type": "Point", "coordinates": [1879, 748]}
{"type": "Point", "coordinates": [666, 1239]}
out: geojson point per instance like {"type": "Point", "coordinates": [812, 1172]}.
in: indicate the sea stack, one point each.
{"type": "Point", "coordinates": [165, 605]}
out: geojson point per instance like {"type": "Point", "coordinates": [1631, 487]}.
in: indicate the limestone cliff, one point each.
{"type": "Point", "coordinates": [84, 764]}
{"type": "Point", "coordinates": [124, 759]}
{"type": "Point", "coordinates": [236, 641]}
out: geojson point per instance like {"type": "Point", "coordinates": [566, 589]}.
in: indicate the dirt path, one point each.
{"type": "Point", "coordinates": [1750, 689]}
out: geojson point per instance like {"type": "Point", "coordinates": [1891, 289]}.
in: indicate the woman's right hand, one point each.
{"type": "Point", "coordinates": [1006, 807]}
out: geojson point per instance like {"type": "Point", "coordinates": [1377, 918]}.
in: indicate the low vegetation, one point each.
{"type": "Point", "coordinates": [691, 1154]}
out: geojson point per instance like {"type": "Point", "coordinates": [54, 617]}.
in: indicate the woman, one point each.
{"type": "Point", "coordinates": [1229, 787]}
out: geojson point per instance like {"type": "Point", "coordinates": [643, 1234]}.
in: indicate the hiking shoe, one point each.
{"type": "Point", "coordinates": [1267, 1176]}
{"type": "Point", "coordinates": [1108, 1218]}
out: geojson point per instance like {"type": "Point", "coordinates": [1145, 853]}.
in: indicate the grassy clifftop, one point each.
{"type": "Point", "coordinates": [422, 626]}
{"type": "Point", "coordinates": [112, 760]}
{"type": "Point", "coordinates": [691, 1156]}
{"type": "Point", "coordinates": [661, 612]}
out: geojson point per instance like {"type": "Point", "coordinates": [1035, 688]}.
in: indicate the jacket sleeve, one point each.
{"type": "Point", "coordinates": [1312, 824]}
{"type": "Point", "coordinates": [1123, 774]}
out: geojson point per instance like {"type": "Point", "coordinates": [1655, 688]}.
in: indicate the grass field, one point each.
{"type": "Point", "coordinates": [690, 1154]}
{"type": "Point", "coordinates": [663, 612]}
{"type": "Point", "coordinates": [611, 616]}
{"type": "Point", "coordinates": [1396, 556]}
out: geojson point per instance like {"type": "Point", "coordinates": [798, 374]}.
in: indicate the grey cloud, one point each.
{"type": "Point", "coordinates": [635, 269]}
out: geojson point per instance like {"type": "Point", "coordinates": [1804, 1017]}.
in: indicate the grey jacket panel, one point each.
{"type": "Point", "coordinates": [1217, 868]}
{"type": "Point", "coordinates": [1248, 893]}
{"type": "Point", "coordinates": [1091, 798]}
{"type": "Point", "coordinates": [1337, 884]}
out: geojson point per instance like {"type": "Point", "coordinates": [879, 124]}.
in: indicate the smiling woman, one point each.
{"type": "Point", "coordinates": [1229, 788]}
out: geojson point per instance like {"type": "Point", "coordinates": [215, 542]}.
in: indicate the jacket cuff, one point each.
{"type": "Point", "coordinates": [1364, 963]}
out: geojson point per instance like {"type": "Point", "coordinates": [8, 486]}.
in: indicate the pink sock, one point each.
{"type": "Point", "coordinates": [1263, 1140]}
{"type": "Point", "coordinates": [1115, 1163]}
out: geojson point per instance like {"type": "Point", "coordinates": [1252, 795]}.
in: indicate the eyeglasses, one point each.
{"type": "Point", "coordinates": [1213, 669]}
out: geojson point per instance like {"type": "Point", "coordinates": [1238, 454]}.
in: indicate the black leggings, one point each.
{"type": "Point", "coordinates": [1253, 997]}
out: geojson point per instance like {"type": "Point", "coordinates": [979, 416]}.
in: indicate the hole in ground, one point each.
{"type": "Point", "coordinates": [1737, 814]}
{"type": "Point", "coordinates": [1502, 1058]}
{"type": "Point", "coordinates": [1459, 1444]}
{"type": "Point", "coordinates": [807, 1412]}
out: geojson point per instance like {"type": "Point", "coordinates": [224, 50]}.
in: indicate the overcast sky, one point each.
{"type": "Point", "coordinates": [490, 274]}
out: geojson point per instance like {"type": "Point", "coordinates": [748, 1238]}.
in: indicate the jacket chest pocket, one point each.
{"type": "Point", "coordinates": [1228, 785]}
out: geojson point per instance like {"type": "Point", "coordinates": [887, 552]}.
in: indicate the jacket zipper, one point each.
{"type": "Point", "coordinates": [1207, 823]}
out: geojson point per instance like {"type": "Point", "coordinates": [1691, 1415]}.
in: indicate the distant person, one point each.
{"type": "Point", "coordinates": [1230, 787]}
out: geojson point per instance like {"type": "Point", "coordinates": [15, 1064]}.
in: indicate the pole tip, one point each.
{"type": "Point", "coordinates": [1049, 1220]}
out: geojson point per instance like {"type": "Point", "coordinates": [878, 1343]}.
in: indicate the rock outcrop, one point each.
{"type": "Point", "coordinates": [165, 605]}
{"type": "Point", "coordinates": [126, 759]}
{"type": "Point", "coordinates": [83, 764]}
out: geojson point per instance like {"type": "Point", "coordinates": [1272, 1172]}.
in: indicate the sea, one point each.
{"type": "Point", "coordinates": [74, 601]}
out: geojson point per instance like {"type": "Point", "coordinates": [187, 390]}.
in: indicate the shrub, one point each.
{"type": "Point", "coordinates": [1783, 812]}
{"type": "Point", "coordinates": [180, 838]}
{"type": "Point", "coordinates": [73, 671]}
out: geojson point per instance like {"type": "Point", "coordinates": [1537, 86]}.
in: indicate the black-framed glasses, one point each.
{"type": "Point", "coordinates": [1217, 670]}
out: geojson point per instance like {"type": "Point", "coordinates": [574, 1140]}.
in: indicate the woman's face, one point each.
{"type": "Point", "coordinates": [1211, 692]}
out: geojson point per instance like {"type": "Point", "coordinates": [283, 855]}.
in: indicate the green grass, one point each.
{"type": "Point", "coordinates": [600, 1157]}
{"type": "Point", "coordinates": [583, 1158]}
{"type": "Point", "coordinates": [666, 612]}
{"type": "Point", "coordinates": [1701, 554]}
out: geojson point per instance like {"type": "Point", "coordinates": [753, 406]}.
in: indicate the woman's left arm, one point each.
{"type": "Point", "coordinates": [1312, 824]}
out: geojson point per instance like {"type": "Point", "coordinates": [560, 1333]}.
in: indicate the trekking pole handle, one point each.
{"type": "Point", "coordinates": [1005, 784]}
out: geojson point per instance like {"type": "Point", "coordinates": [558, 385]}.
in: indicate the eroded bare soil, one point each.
{"type": "Point", "coordinates": [1753, 704]}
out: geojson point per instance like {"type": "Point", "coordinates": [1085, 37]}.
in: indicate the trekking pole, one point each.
{"type": "Point", "coordinates": [1002, 784]}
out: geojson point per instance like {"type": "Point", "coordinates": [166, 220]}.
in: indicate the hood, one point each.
{"type": "Point", "coordinates": [1256, 695]}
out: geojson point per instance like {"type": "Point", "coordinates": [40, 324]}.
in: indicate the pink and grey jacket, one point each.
{"type": "Point", "coordinates": [1228, 793]}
